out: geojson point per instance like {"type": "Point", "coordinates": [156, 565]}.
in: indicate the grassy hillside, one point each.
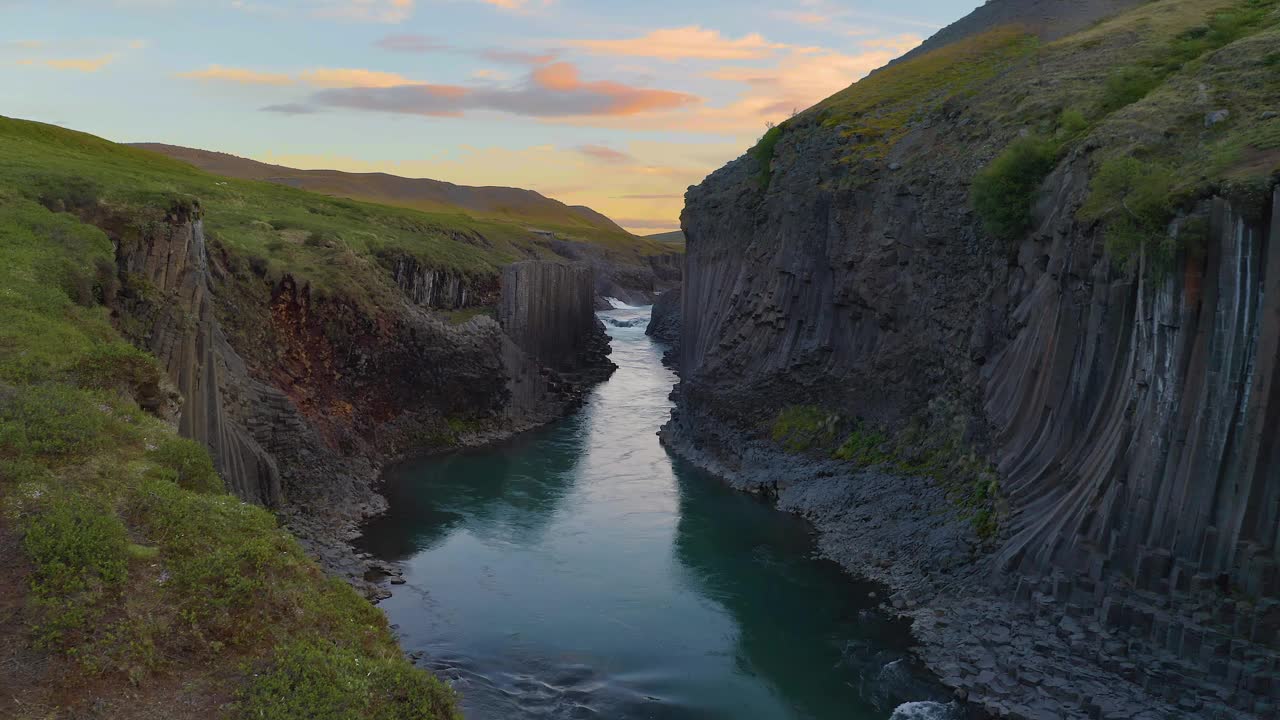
{"type": "Point", "coordinates": [329, 242]}
{"type": "Point", "coordinates": [675, 237]}
{"type": "Point", "coordinates": [1139, 84]}
{"type": "Point", "coordinates": [496, 203]}
{"type": "Point", "coordinates": [131, 585]}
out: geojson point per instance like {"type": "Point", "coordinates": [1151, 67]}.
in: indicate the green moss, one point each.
{"type": "Point", "coordinates": [1006, 190]}
{"type": "Point", "coordinates": [763, 152]}
{"type": "Point", "coordinates": [799, 428]}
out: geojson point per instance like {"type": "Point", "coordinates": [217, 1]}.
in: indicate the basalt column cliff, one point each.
{"type": "Point", "coordinates": [320, 393]}
{"type": "Point", "coordinates": [1092, 399]}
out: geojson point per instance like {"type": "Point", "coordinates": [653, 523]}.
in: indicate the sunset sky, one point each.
{"type": "Point", "coordinates": [617, 105]}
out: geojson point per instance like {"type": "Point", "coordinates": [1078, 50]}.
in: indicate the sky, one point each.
{"type": "Point", "coordinates": [617, 105]}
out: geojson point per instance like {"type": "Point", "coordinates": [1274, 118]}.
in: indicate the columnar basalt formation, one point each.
{"type": "Point", "coordinates": [321, 392]}
{"type": "Point", "coordinates": [548, 311]}
{"type": "Point", "coordinates": [1130, 408]}
{"type": "Point", "coordinates": [183, 333]}
{"type": "Point", "coordinates": [441, 289]}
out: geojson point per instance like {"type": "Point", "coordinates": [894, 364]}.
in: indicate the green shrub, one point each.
{"type": "Point", "coordinates": [78, 549]}
{"type": "Point", "coordinates": [190, 463]}
{"type": "Point", "coordinates": [1128, 85]}
{"type": "Point", "coordinates": [52, 421]}
{"type": "Point", "coordinates": [1072, 123]}
{"type": "Point", "coordinates": [1005, 191]}
{"type": "Point", "coordinates": [863, 447]}
{"type": "Point", "coordinates": [74, 544]}
{"type": "Point", "coordinates": [1135, 200]}
{"type": "Point", "coordinates": [763, 152]}
{"type": "Point", "coordinates": [317, 680]}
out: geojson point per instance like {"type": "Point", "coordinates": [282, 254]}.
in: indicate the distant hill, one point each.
{"type": "Point", "coordinates": [674, 237]}
{"type": "Point", "coordinates": [420, 194]}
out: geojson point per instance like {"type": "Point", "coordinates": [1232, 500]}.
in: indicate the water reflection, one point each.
{"type": "Point", "coordinates": [579, 572]}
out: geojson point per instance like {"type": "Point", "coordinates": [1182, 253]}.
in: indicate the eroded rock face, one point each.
{"type": "Point", "coordinates": [303, 398]}
{"type": "Point", "coordinates": [441, 289]}
{"type": "Point", "coordinates": [180, 329]}
{"type": "Point", "coordinates": [664, 323]}
{"type": "Point", "coordinates": [1132, 414]}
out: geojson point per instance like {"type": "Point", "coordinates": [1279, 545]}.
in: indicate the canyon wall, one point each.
{"type": "Point", "coordinates": [1131, 412]}
{"type": "Point", "coordinates": [185, 336]}
{"type": "Point", "coordinates": [303, 397]}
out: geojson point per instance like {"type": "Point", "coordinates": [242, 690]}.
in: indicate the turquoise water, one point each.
{"type": "Point", "coordinates": [581, 572]}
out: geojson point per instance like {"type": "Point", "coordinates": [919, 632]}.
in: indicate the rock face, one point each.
{"type": "Point", "coordinates": [1132, 415]}
{"type": "Point", "coordinates": [440, 289]}
{"type": "Point", "coordinates": [548, 310]}
{"type": "Point", "coordinates": [664, 324]}
{"type": "Point", "coordinates": [188, 340]}
{"type": "Point", "coordinates": [302, 399]}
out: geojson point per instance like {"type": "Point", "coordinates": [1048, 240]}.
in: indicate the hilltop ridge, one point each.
{"type": "Point", "coordinates": [508, 203]}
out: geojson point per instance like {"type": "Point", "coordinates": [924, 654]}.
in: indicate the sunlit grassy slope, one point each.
{"type": "Point", "coordinates": [132, 584]}
{"type": "Point", "coordinates": [327, 241]}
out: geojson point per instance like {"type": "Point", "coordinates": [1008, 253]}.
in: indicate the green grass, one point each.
{"type": "Point", "coordinates": [326, 241]}
{"type": "Point", "coordinates": [143, 570]}
{"type": "Point", "coordinates": [875, 112]}
{"type": "Point", "coordinates": [318, 681]}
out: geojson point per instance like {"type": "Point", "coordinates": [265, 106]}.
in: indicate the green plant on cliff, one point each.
{"type": "Point", "coordinates": [763, 152]}
{"type": "Point", "coordinates": [1134, 199]}
{"type": "Point", "coordinates": [798, 428]}
{"type": "Point", "coordinates": [140, 574]}
{"type": "Point", "coordinates": [1005, 191]}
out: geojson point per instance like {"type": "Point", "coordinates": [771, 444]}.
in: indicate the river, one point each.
{"type": "Point", "coordinates": [582, 572]}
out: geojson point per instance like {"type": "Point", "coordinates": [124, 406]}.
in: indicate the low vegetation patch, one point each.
{"type": "Point", "coordinates": [876, 111]}
{"type": "Point", "coordinates": [763, 152]}
{"type": "Point", "coordinates": [145, 572]}
{"type": "Point", "coordinates": [929, 446]}
{"type": "Point", "coordinates": [1135, 198]}
{"type": "Point", "coordinates": [799, 428]}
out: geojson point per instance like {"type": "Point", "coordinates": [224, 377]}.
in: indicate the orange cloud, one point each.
{"type": "Point", "coordinates": [238, 75]}
{"type": "Point", "coordinates": [350, 77]}
{"type": "Point", "coordinates": [691, 42]}
{"type": "Point", "coordinates": [555, 90]}
{"type": "Point", "coordinates": [800, 78]}
{"type": "Point", "coordinates": [87, 65]}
